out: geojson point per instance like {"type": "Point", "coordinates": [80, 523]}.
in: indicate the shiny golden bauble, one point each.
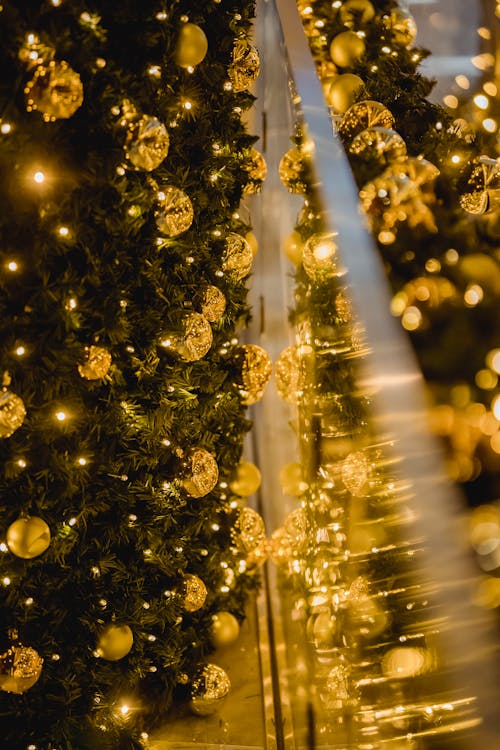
{"type": "Point", "coordinates": [194, 339]}
{"type": "Point", "coordinates": [201, 472]}
{"type": "Point", "coordinates": [147, 143]}
{"type": "Point", "coordinates": [256, 169]}
{"type": "Point", "coordinates": [380, 144]}
{"type": "Point", "coordinates": [237, 256]}
{"type": "Point", "coordinates": [280, 547]}
{"type": "Point", "coordinates": [321, 630]}
{"type": "Point", "coordinates": [255, 368]}
{"type": "Point", "coordinates": [344, 91]}
{"type": "Point", "coordinates": [225, 629]}
{"type": "Point", "coordinates": [293, 372]}
{"type": "Point", "coordinates": [292, 169]}
{"type": "Point", "coordinates": [97, 363]}
{"type": "Point", "coordinates": [362, 115]}
{"type": "Point", "coordinates": [293, 248]}
{"type": "Point", "coordinates": [192, 46]}
{"type": "Point", "coordinates": [12, 413]}
{"type": "Point", "coordinates": [356, 13]}
{"type": "Point", "coordinates": [253, 242]}
{"type": "Point", "coordinates": [247, 480]}
{"type": "Point", "coordinates": [403, 26]}
{"type": "Point", "coordinates": [114, 642]}
{"type": "Point", "coordinates": [347, 49]}
{"type": "Point", "coordinates": [292, 479]}
{"type": "Point", "coordinates": [319, 257]}
{"type": "Point", "coordinates": [28, 537]}
{"type": "Point", "coordinates": [482, 193]}
{"type": "Point", "coordinates": [245, 66]}
{"type": "Point", "coordinates": [20, 668]}
{"type": "Point", "coordinates": [194, 592]}
{"type": "Point", "coordinates": [209, 688]}
{"type": "Point", "coordinates": [55, 90]}
{"type": "Point", "coordinates": [174, 214]}
{"type": "Point", "coordinates": [249, 530]}
{"type": "Point", "coordinates": [213, 304]}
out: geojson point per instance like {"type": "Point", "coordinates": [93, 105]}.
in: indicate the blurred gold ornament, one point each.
{"type": "Point", "coordinates": [28, 537]}
{"type": "Point", "coordinates": [293, 372]}
{"type": "Point", "coordinates": [97, 364]}
{"type": "Point", "coordinates": [382, 144]}
{"type": "Point", "coordinates": [174, 214]}
{"type": "Point", "coordinates": [343, 308]}
{"type": "Point", "coordinates": [343, 91]}
{"type": "Point", "coordinates": [368, 618]}
{"type": "Point", "coordinates": [363, 115]}
{"type": "Point", "coordinates": [356, 13]}
{"type": "Point", "coordinates": [257, 556]}
{"type": "Point", "coordinates": [346, 49]}
{"type": "Point", "coordinates": [20, 668]}
{"type": "Point", "coordinates": [209, 688]}
{"type": "Point", "coordinates": [213, 303]}
{"type": "Point", "coordinates": [192, 46]}
{"type": "Point", "coordinates": [245, 66]}
{"type": "Point", "coordinates": [483, 187]}
{"type": "Point", "coordinates": [292, 479]}
{"type": "Point", "coordinates": [355, 468]}
{"type": "Point", "coordinates": [255, 368]}
{"type": "Point", "coordinates": [237, 257]}
{"type": "Point", "coordinates": [293, 169]}
{"type": "Point", "coordinates": [280, 547]}
{"type": "Point", "coordinates": [225, 629]}
{"type": "Point", "coordinates": [256, 169]}
{"type": "Point", "coordinates": [249, 530]}
{"type": "Point", "coordinates": [12, 413]}
{"type": "Point", "coordinates": [193, 341]}
{"type": "Point", "coordinates": [293, 248]}
{"type": "Point", "coordinates": [420, 171]}
{"type": "Point", "coordinates": [403, 662]}
{"type": "Point", "coordinates": [55, 90]}
{"type": "Point", "coordinates": [319, 257]}
{"type": "Point", "coordinates": [321, 629]}
{"type": "Point", "coordinates": [340, 690]}
{"type": "Point", "coordinates": [297, 527]}
{"type": "Point", "coordinates": [247, 480]}
{"type": "Point", "coordinates": [403, 26]}
{"type": "Point", "coordinates": [326, 70]}
{"type": "Point", "coordinates": [114, 642]}
{"type": "Point", "coordinates": [359, 589]}
{"type": "Point", "coordinates": [201, 472]}
{"type": "Point", "coordinates": [253, 242]}
{"type": "Point", "coordinates": [147, 143]}
{"type": "Point", "coordinates": [195, 593]}
{"type": "Point", "coordinates": [182, 678]}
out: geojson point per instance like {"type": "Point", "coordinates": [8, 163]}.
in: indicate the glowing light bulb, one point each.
{"type": "Point", "coordinates": [3, 547]}
{"type": "Point", "coordinates": [63, 231]}
{"type": "Point", "coordinates": [490, 125]}
{"type": "Point", "coordinates": [451, 101]}
{"type": "Point", "coordinates": [6, 581]}
{"type": "Point", "coordinates": [82, 461]}
{"type": "Point", "coordinates": [456, 158]}
{"type": "Point", "coordinates": [5, 128]}
{"type": "Point", "coordinates": [21, 463]}
{"type": "Point", "coordinates": [39, 177]}
{"type": "Point", "coordinates": [20, 351]}
{"type": "Point", "coordinates": [12, 265]}
{"type": "Point", "coordinates": [481, 101]}
{"type": "Point", "coordinates": [60, 416]}
{"type": "Point", "coordinates": [187, 104]}
{"type": "Point", "coordinates": [71, 303]}
{"type": "Point", "coordinates": [124, 709]}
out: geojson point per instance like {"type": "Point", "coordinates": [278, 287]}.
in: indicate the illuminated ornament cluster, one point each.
{"type": "Point", "coordinates": [194, 339]}
{"type": "Point", "coordinates": [200, 472]}
{"type": "Point", "coordinates": [482, 192]}
{"type": "Point", "coordinates": [20, 668]}
{"type": "Point", "coordinates": [192, 46]}
{"type": "Point", "coordinates": [237, 256]}
{"type": "Point", "coordinates": [114, 642]}
{"type": "Point", "coordinates": [363, 115]}
{"type": "Point", "coordinates": [194, 593]}
{"type": "Point", "coordinates": [97, 363]}
{"type": "Point", "coordinates": [294, 167]}
{"type": "Point", "coordinates": [55, 90]}
{"type": "Point", "coordinates": [256, 168]}
{"type": "Point", "coordinates": [255, 368]}
{"type": "Point", "coordinates": [213, 303]}
{"type": "Point", "coordinates": [174, 214]}
{"type": "Point", "coordinates": [245, 65]}
{"type": "Point", "coordinates": [147, 143]}
{"type": "Point", "coordinates": [28, 537]}
{"type": "Point", "coordinates": [319, 257]}
{"type": "Point", "coordinates": [208, 689]}
{"type": "Point", "coordinates": [380, 144]}
{"type": "Point", "coordinates": [12, 413]}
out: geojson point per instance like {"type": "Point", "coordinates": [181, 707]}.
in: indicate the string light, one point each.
{"type": "Point", "coordinates": [39, 177]}
{"type": "Point", "coordinates": [20, 351]}
{"type": "Point", "coordinates": [5, 128]}
{"type": "Point", "coordinates": [12, 265]}
{"type": "Point", "coordinates": [481, 101]}
{"type": "Point", "coordinates": [63, 231]}
{"type": "Point", "coordinates": [82, 461]}
{"type": "Point", "coordinates": [60, 416]}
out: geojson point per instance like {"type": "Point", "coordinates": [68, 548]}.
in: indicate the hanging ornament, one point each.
{"type": "Point", "coordinates": [297, 527]}
{"type": "Point", "coordinates": [355, 469]}
{"type": "Point", "coordinates": [200, 472]}
{"type": "Point", "coordinates": [213, 303]}
{"type": "Point", "coordinates": [174, 214]}
{"type": "Point", "coordinates": [344, 91]}
{"type": "Point", "coordinates": [402, 25]}
{"type": "Point", "coordinates": [97, 364]}
{"type": "Point", "coordinates": [245, 67]}
{"type": "Point", "coordinates": [293, 248]}
{"type": "Point", "coordinates": [381, 144]}
{"type": "Point", "coordinates": [237, 257]}
{"type": "Point", "coordinates": [356, 13]}
{"type": "Point", "coordinates": [249, 531]}
{"type": "Point", "coordinates": [340, 691]}
{"type": "Point", "coordinates": [55, 90]}
{"type": "Point", "coordinates": [319, 257]}
{"type": "Point", "coordinates": [363, 115]}
{"type": "Point", "coordinates": [194, 593]}
{"type": "Point", "coordinates": [293, 370]}
{"type": "Point", "coordinates": [483, 187]}
{"type": "Point", "coordinates": [114, 642]}
{"type": "Point", "coordinates": [20, 668]}
{"type": "Point", "coordinates": [347, 49]}
{"type": "Point", "coordinates": [192, 46]}
{"type": "Point", "coordinates": [294, 167]}
{"type": "Point", "coordinates": [321, 630]}
{"type": "Point", "coordinates": [194, 339]}
{"type": "Point", "coordinates": [255, 368]}
{"type": "Point", "coordinates": [256, 168]}
{"type": "Point", "coordinates": [28, 537]}
{"type": "Point", "coordinates": [225, 629]}
{"type": "Point", "coordinates": [12, 413]}
{"type": "Point", "coordinates": [147, 143]}
{"type": "Point", "coordinates": [209, 688]}
{"type": "Point", "coordinates": [247, 480]}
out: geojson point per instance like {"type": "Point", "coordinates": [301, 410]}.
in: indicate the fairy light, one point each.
{"type": "Point", "coordinates": [39, 177]}
{"type": "Point", "coordinates": [63, 231]}
{"type": "Point", "coordinates": [473, 295]}
{"type": "Point", "coordinates": [456, 159]}
{"type": "Point", "coordinates": [60, 416]}
{"type": "Point", "coordinates": [462, 81]}
{"type": "Point", "coordinates": [3, 547]}
{"type": "Point", "coordinates": [490, 88]}
{"type": "Point", "coordinates": [20, 351]}
{"type": "Point", "coordinates": [451, 101]}
{"type": "Point", "coordinates": [71, 303]}
{"type": "Point", "coordinates": [187, 105]}
{"type": "Point", "coordinates": [490, 125]}
{"type": "Point", "coordinates": [5, 128]}
{"type": "Point", "coordinates": [495, 407]}
{"type": "Point", "coordinates": [481, 101]}
{"type": "Point", "coordinates": [12, 266]}
{"type": "Point", "coordinates": [124, 709]}
{"type": "Point", "coordinates": [21, 463]}
{"type": "Point", "coordinates": [82, 461]}
{"type": "Point", "coordinates": [29, 601]}
{"type": "Point", "coordinates": [6, 581]}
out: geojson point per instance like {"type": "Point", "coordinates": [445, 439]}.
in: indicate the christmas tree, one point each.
{"type": "Point", "coordinates": [123, 263]}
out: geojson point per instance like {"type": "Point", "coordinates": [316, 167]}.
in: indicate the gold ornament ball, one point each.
{"type": "Point", "coordinates": [114, 642]}
{"type": "Point", "coordinates": [192, 46]}
{"type": "Point", "coordinates": [12, 413]}
{"type": "Point", "coordinates": [195, 593]}
{"type": "Point", "coordinates": [293, 371]}
{"type": "Point", "coordinates": [347, 49]}
{"type": "Point", "coordinates": [237, 256]}
{"type": "Point", "coordinates": [249, 531]}
{"type": "Point", "coordinates": [322, 629]}
{"type": "Point", "coordinates": [403, 26]}
{"type": "Point", "coordinates": [245, 66]}
{"type": "Point", "coordinates": [147, 143]}
{"type": "Point", "coordinates": [247, 480]}
{"type": "Point", "coordinates": [291, 170]}
{"type": "Point", "coordinates": [196, 339]}
{"type": "Point", "coordinates": [293, 248]}
{"type": "Point", "coordinates": [255, 368]}
{"type": "Point", "coordinates": [225, 629]}
{"type": "Point", "coordinates": [382, 144]}
{"type": "Point", "coordinates": [292, 479]}
{"type": "Point", "coordinates": [209, 688]}
{"type": "Point", "coordinates": [213, 304]}
{"type": "Point", "coordinates": [55, 90]}
{"type": "Point", "coordinates": [201, 472]}
{"type": "Point", "coordinates": [97, 364]}
{"type": "Point", "coordinates": [319, 257]}
{"type": "Point", "coordinates": [343, 91]}
{"type": "Point", "coordinates": [256, 169]}
{"type": "Point", "coordinates": [28, 537]}
{"type": "Point", "coordinates": [174, 214]}
{"type": "Point", "coordinates": [253, 242]}
{"type": "Point", "coordinates": [362, 115]}
{"type": "Point", "coordinates": [20, 668]}
{"type": "Point", "coordinates": [483, 187]}
{"type": "Point", "coordinates": [356, 13]}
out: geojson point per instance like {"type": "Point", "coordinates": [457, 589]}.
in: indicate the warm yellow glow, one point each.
{"type": "Point", "coordinates": [451, 256]}
{"type": "Point", "coordinates": [484, 32]}
{"type": "Point", "coordinates": [71, 303]}
{"type": "Point", "coordinates": [456, 159]}
{"type": "Point", "coordinates": [484, 61]}
{"type": "Point", "coordinates": [20, 351]}
{"type": "Point", "coordinates": [412, 318]}
{"type": "Point", "coordinates": [451, 101]}
{"type": "Point", "coordinates": [493, 360]}
{"type": "Point", "coordinates": [488, 424]}
{"type": "Point", "coordinates": [60, 416]}
{"type": "Point", "coordinates": [82, 461]}
{"type": "Point", "coordinates": [124, 710]}
{"type": "Point", "coordinates": [495, 407]}
{"type": "Point", "coordinates": [490, 125]}
{"type": "Point", "coordinates": [490, 88]}
{"type": "Point", "coordinates": [495, 442]}
{"type": "Point", "coordinates": [5, 128]}
{"type": "Point", "coordinates": [39, 177]}
{"type": "Point", "coordinates": [481, 101]}
{"type": "Point", "coordinates": [12, 265]}
{"type": "Point", "coordinates": [462, 81]}
{"type": "Point", "coordinates": [432, 265]}
{"type": "Point", "coordinates": [324, 251]}
{"type": "Point", "coordinates": [486, 380]}
{"type": "Point", "coordinates": [187, 104]}
{"type": "Point", "coordinates": [6, 581]}
{"type": "Point", "coordinates": [21, 463]}
{"type": "Point", "coordinates": [473, 295]}
{"type": "Point", "coordinates": [63, 231]}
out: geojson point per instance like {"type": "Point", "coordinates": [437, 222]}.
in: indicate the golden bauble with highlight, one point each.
{"type": "Point", "coordinates": [319, 257]}
{"type": "Point", "coordinates": [402, 25]}
{"type": "Point", "coordinates": [174, 214]}
{"type": "Point", "coordinates": [20, 668]}
{"type": "Point", "coordinates": [12, 413]}
{"type": "Point", "coordinates": [194, 592]}
{"type": "Point", "coordinates": [344, 91]}
{"type": "Point", "coordinates": [293, 169]}
{"type": "Point", "coordinates": [347, 49]}
{"type": "Point", "coordinates": [237, 256]}
{"type": "Point", "coordinates": [381, 144]}
{"type": "Point", "coordinates": [247, 480]}
{"type": "Point", "coordinates": [55, 90]}
{"type": "Point", "coordinates": [209, 688]}
{"type": "Point", "coordinates": [225, 629]}
{"type": "Point", "coordinates": [213, 303]}
{"type": "Point", "coordinates": [362, 115]}
{"type": "Point", "coordinates": [245, 66]}
{"type": "Point", "coordinates": [114, 642]}
{"type": "Point", "coordinates": [147, 143]}
{"type": "Point", "coordinates": [249, 530]}
{"type": "Point", "coordinates": [97, 363]}
{"type": "Point", "coordinates": [28, 537]}
{"type": "Point", "coordinates": [200, 472]}
{"type": "Point", "coordinates": [293, 248]}
{"type": "Point", "coordinates": [356, 13]}
{"type": "Point", "coordinates": [256, 168]}
{"type": "Point", "coordinates": [255, 368]}
{"type": "Point", "coordinates": [192, 46]}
